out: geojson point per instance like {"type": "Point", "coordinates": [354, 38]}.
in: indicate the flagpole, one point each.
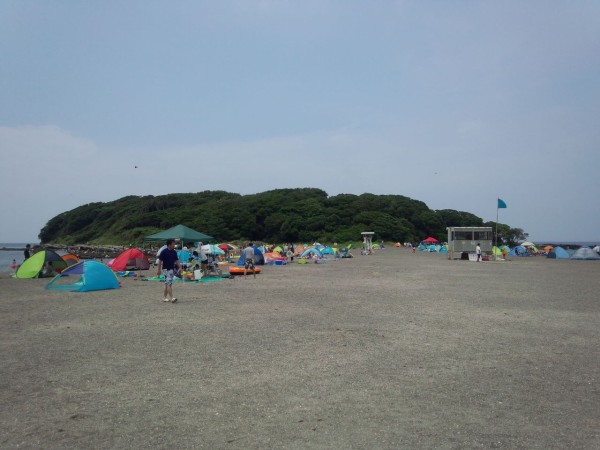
{"type": "Point", "coordinates": [496, 234]}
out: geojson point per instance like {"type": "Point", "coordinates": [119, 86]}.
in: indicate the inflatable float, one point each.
{"type": "Point", "coordinates": [240, 271]}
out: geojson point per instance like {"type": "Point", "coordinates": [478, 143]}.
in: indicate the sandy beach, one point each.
{"type": "Point", "coordinates": [394, 350]}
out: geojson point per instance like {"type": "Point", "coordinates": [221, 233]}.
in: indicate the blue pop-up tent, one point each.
{"type": "Point", "coordinates": [259, 258]}
{"type": "Point", "coordinates": [518, 250]}
{"type": "Point", "coordinates": [558, 253]}
{"type": "Point", "coordinates": [311, 251]}
{"type": "Point", "coordinates": [95, 276]}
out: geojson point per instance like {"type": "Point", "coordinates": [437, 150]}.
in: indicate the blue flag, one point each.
{"type": "Point", "coordinates": [501, 204]}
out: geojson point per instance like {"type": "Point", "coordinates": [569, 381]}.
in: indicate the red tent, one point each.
{"type": "Point", "coordinates": [131, 259]}
{"type": "Point", "coordinates": [430, 240]}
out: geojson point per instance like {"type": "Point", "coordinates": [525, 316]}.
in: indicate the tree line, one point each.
{"type": "Point", "coordinates": [280, 215]}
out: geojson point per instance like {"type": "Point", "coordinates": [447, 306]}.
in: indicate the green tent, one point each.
{"type": "Point", "coordinates": [181, 232]}
{"type": "Point", "coordinates": [497, 251]}
{"type": "Point", "coordinates": [43, 263]}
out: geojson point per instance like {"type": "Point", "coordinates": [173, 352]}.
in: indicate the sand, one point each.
{"type": "Point", "coordinates": [394, 350]}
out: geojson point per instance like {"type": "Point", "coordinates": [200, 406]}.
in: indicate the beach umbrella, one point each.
{"type": "Point", "coordinates": [212, 249]}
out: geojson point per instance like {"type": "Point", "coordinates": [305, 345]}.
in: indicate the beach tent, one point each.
{"type": "Point", "coordinates": [497, 251]}
{"type": "Point", "coordinates": [518, 251]}
{"type": "Point", "coordinates": [585, 253]}
{"type": "Point", "coordinates": [548, 248]}
{"type": "Point", "coordinates": [271, 257]}
{"type": "Point", "coordinates": [330, 251]}
{"type": "Point", "coordinates": [34, 266]}
{"type": "Point", "coordinates": [299, 249]}
{"type": "Point", "coordinates": [70, 259]}
{"type": "Point", "coordinates": [558, 253]}
{"type": "Point", "coordinates": [95, 276]}
{"type": "Point", "coordinates": [312, 252]}
{"type": "Point", "coordinates": [130, 259]}
{"type": "Point", "coordinates": [444, 249]}
{"type": "Point", "coordinates": [259, 259]}
{"type": "Point", "coordinates": [530, 245]}
{"type": "Point", "coordinates": [181, 232]}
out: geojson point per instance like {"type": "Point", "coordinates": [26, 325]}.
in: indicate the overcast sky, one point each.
{"type": "Point", "coordinates": [454, 103]}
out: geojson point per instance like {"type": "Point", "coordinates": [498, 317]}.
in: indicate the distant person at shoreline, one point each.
{"type": "Point", "coordinates": [27, 253]}
{"type": "Point", "coordinates": [167, 261]}
{"type": "Point", "coordinates": [478, 252]}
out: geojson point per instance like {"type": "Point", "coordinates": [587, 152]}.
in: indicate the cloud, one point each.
{"type": "Point", "coordinates": [45, 170]}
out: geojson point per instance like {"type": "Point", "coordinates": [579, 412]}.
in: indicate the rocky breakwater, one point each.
{"type": "Point", "coordinates": [87, 251]}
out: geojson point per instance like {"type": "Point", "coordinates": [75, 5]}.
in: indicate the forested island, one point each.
{"type": "Point", "coordinates": [280, 215]}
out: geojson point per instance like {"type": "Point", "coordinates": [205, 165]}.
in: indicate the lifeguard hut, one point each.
{"type": "Point", "coordinates": [367, 242]}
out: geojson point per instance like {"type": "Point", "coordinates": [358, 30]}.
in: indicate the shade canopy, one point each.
{"type": "Point", "coordinates": [430, 239]}
{"type": "Point", "coordinates": [180, 232]}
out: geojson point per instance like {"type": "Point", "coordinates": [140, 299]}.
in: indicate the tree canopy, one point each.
{"type": "Point", "coordinates": [281, 215]}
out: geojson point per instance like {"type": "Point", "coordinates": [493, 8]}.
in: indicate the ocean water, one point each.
{"type": "Point", "coordinates": [7, 256]}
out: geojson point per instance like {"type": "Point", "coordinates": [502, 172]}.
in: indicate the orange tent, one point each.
{"type": "Point", "coordinates": [70, 259]}
{"type": "Point", "coordinates": [299, 250]}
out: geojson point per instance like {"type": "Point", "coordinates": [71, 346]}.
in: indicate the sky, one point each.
{"type": "Point", "coordinates": [453, 103]}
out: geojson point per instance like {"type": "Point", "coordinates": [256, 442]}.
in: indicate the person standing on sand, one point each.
{"type": "Point", "coordinates": [167, 261]}
{"type": "Point", "coordinates": [249, 259]}
{"type": "Point", "coordinates": [504, 253]}
{"type": "Point", "coordinates": [27, 253]}
{"type": "Point", "coordinates": [478, 252]}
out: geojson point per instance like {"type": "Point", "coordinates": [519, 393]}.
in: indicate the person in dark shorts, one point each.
{"type": "Point", "coordinates": [249, 259]}
{"type": "Point", "coordinates": [167, 262]}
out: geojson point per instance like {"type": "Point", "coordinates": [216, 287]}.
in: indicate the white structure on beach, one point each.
{"type": "Point", "coordinates": [367, 241]}
{"type": "Point", "coordinates": [464, 240]}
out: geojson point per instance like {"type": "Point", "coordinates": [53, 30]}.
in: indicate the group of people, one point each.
{"type": "Point", "coordinates": [168, 264]}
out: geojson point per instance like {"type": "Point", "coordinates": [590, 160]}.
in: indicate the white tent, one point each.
{"type": "Point", "coordinates": [585, 253]}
